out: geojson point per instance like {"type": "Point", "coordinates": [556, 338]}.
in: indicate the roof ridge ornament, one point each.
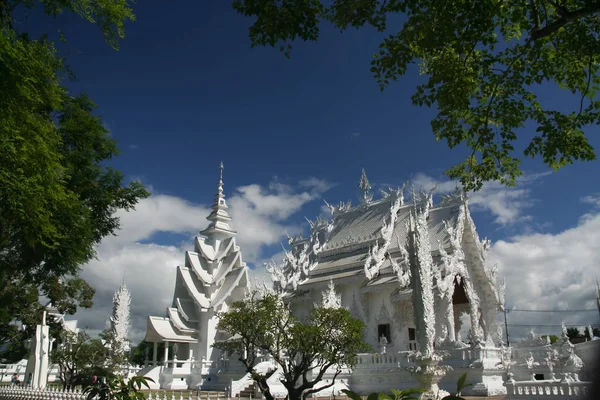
{"type": "Point", "coordinates": [458, 195]}
{"type": "Point", "coordinates": [365, 187]}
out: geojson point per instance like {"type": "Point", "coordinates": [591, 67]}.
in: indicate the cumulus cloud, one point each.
{"type": "Point", "coordinates": [507, 204]}
{"type": "Point", "coordinates": [147, 262]}
{"type": "Point", "coordinates": [551, 272]}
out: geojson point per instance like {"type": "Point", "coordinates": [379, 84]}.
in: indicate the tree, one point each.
{"type": "Point", "coordinates": [574, 333]}
{"type": "Point", "coordinates": [80, 357]}
{"type": "Point", "coordinates": [57, 196]}
{"type": "Point", "coordinates": [304, 351]}
{"type": "Point", "coordinates": [553, 338]}
{"type": "Point", "coordinates": [116, 388]}
{"type": "Point", "coordinates": [484, 61]}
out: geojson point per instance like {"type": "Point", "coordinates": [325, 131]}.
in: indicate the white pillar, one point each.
{"type": "Point", "coordinates": [166, 361]}
{"type": "Point", "coordinates": [191, 355]}
{"type": "Point", "coordinates": [154, 354]}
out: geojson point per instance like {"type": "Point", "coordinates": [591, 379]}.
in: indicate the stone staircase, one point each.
{"type": "Point", "coordinates": [248, 392]}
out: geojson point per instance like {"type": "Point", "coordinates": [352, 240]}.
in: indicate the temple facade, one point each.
{"type": "Point", "coordinates": [412, 272]}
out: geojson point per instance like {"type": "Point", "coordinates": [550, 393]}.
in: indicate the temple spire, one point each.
{"type": "Point", "coordinates": [365, 187]}
{"type": "Point", "coordinates": [219, 217]}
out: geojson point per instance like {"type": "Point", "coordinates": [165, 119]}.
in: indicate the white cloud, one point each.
{"type": "Point", "coordinates": [507, 204]}
{"type": "Point", "coordinates": [259, 215]}
{"type": "Point", "coordinates": [593, 199]}
{"type": "Point", "coordinates": [548, 272]}
{"type": "Point", "coordinates": [427, 182]}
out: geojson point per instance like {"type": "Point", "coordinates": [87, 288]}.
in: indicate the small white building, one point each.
{"type": "Point", "coordinates": [360, 254]}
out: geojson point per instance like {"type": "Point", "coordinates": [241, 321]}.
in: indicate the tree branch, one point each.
{"type": "Point", "coordinates": [311, 391]}
{"type": "Point", "coordinates": [566, 17]}
{"type": "Point", "coordinates": [535, 15]}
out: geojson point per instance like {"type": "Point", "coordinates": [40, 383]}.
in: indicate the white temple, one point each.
{"type": "Point", "coordinates": [212, 277]}
{"type": "Point", "coordinates": [410, 272]}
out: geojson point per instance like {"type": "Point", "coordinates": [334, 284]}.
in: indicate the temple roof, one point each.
{"type": "Point", "coordinates": [160, 329]}
{"type": "Point", "coordinates": [363, 225]}
{"type": "Point", "coordinates": [355, 231]}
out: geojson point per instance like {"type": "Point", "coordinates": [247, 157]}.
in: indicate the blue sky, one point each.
{"type": "Point", "coordinates": [185, 91]}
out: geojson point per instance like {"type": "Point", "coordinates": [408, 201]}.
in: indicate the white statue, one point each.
{"type": "Point", "coordinates": [382, 344]}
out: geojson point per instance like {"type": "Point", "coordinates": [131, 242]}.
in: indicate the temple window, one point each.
{"type": "Point", "coordinates": [385, 331]}
{"type": "Point", "coordinates": [412, 334]}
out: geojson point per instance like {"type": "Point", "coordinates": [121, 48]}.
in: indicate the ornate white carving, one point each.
{"type": "Point", "coordinates": [120, 319]}
{"type": "Point", "coordinates": [424, 198]}
{"type": "Point", "coordinates": [330, 298]}
{"type": "Point", "coordinates": [384, 315]}
{"type": "Point", "coordinates": [394, 192]}
{"type": "Point", "coordinates": [532, 340]}
{"type": "Point", "coordinates": [340, 208]}
{"type": "Point", "coordinates": [421, 269]}
{"type": "Point", "coordinates": [378, 253]}
{"type": "Point", "coordinates": [365, 187]}
{"type": "Point", "coordinates": [355, 308]}
{"type": "Point", "coordinates": [458, 195]}
{"type": "Point", "coordinates": [302, 257]}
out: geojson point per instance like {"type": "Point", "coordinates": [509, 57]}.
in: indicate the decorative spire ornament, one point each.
{"type": "Point", "coordinates": [120, 320]}
{"type": "Point", "coordinates": [365, 187]}
{"type": "Point", "coordinates": [219, 217]}
{"type": "Point", "coordinates": [330, 297]}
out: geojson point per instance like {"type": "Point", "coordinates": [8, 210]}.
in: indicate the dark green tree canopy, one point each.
{"type": "Point", "coordinates": [484, 61]}
{"type": "Point", "coordinates": [304, 350]}
{"type": "Point", "coordinates": [58, 197]}
{"type": "Point", "coordinates": [109, 15]}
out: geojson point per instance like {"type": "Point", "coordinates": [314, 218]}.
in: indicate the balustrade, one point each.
{"type": "Point", "coordinates": [563, 390]}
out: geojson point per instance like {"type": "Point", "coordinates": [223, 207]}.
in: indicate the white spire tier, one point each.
{"type": "Point", "coordinates": [219, 217]}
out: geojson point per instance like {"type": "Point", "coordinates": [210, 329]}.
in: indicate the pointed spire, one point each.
{"type": "Point", "coordinates": [219, 216]}
{"type": "Point", "coordinates": [365, 187]}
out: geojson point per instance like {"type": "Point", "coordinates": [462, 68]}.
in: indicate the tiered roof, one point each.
{"type": "Point", "coordinates": [213, 275]}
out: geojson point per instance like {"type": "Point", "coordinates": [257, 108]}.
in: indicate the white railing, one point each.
{"type": "Point", "coordinates": [27, 393]}
{"type": "Point", "coordinates": [49, 393]}
{"type": "Point", "coordinates": [370, 360]}
{"type": "Point", "coordinates": [563, 390]}
{"type": "Point", "coordinates": [469, 354]}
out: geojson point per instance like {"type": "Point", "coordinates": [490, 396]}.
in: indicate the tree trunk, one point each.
{"type": "Point", "coordinates": [295, 394]}
{"type": "Point", "coordinates": [263, 386]}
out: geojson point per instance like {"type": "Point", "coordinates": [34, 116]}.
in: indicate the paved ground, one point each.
{"type": "Point", "coordinates": [501, 397]}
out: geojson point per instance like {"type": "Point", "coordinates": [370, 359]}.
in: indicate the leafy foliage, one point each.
{"type": "Point", "coordinates": [485, 62]}
{"type": "Point", "coordinates": [553, 338]}
{"type": "Point", "coordinates": [109, 15]}
{"type": "Point", "coordinates": [80, 357]}
{"type": "Point", "coordinates": [407, 394]}
{"type": "Point", "coordinates": [330, 338]}
{"type": "Point", "coordinates": [57, 196]}
{"type": "Point", "coordinates": [115, 388]}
